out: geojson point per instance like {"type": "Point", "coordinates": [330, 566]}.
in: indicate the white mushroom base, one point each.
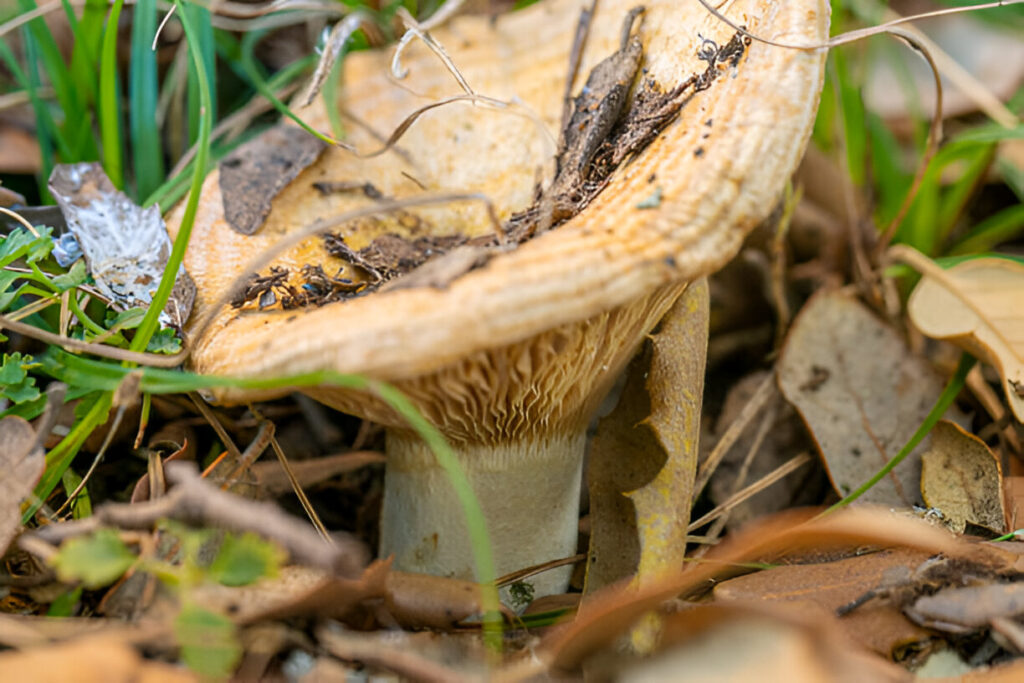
{"type": "Point", "coordinates": [529, 492]}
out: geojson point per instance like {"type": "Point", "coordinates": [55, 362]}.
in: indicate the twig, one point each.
{"type": "Point", "coordinates": [195, 501]}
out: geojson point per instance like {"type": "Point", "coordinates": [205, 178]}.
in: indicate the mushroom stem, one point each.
{"type": "Point", "coordinates": [529, 492]}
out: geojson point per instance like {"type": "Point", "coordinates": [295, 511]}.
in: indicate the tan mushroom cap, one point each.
{"type": "Point", "coordinates": [719, 167]}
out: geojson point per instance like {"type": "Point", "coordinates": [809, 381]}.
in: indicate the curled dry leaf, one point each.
{"type": "Point", "coordinates": [977, 306]}
{"type": "Point", "coordinates": [125, 246]}
{"type": "Point", "coordinates": [862, 394]}
{"type": "Point", "coordinates": [737, 643]}
{"type": "Point", "coordinates": [961, 477]}
{"type": "Point", "coordinates": [21, 464]}
{"type": "Point", "coordinates": [961, 610]}
{"type": "Point", "coordinates": [643, 458]}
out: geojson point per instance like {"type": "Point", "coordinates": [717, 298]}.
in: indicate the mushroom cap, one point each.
{"type": "Point", "coordinates": [677, 211]}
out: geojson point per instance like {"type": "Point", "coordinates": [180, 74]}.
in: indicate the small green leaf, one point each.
{"type": "Point", "coordinates": [244, 559]}
{"type": "Point", "coordinates": [20, 243]}
{"type": "Point", "coordinates": [209, 644]}
{"type": "Point", "coordinates": [64, 605]}
{"type": "Point", "coordinates": [125, 320]}
{"type": "Point", "coordinates": [76, 276]}
{"type": "Point", "coordinates": [164, 341]}
{"type": "Point", "coordinates": [15, 382]}
{"type": "Point", "coordinates": [96, 561]}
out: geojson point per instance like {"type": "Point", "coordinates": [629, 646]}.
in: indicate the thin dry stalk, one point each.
{"type": "Point", "coordinates": [767, 421]}
{"type": "Point", "coordinates": [760, 485]}
{"type": "Point", "coordinates": [212, 419]}
{"type": "Point", "coordinates": [760, 397]}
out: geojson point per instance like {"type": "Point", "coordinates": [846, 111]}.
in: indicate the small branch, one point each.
{"type": "Point", "coordinates": [195, 501]}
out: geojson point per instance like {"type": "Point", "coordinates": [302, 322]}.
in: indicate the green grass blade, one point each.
{"type": "Point", "coordinates": [203, 41]}
{"type": "Point", "coordinates": [85, 56]}
{"type": "Point", "coordinates": [147, 151]}
{"type": "Point", "coordinates": [151, 321]}
{"type": "Point", "coordinates": [41, 42]}
{"type": "Point", "coordinates": [1000, 227]}
{"type": "Point", "coordinates": [109, 105]}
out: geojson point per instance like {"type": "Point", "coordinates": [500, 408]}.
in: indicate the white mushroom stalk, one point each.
{"type": "Point", "coordinates": [509, 355]}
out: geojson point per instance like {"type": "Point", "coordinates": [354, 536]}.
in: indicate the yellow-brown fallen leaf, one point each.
{"type": "Point", "coordinates": [961, 477]}
{"type": "Point", "coordinates": [644, 457]}
{"type": "Point", "coordinates": [979, 306]}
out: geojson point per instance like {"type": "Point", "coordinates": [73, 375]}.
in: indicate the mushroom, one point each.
{"type": "Point", "coordinates": [509, 354]}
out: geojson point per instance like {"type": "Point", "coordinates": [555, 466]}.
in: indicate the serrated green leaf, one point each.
{"type": "Point", "coordinates": [96, 560]}
{"type": "Point", "coordinates": [76, 276]}
{"type": "Point", "coordinates": [209, 644]}
{"type": "Point", "coordinates": [15, 245]}
{"type": "Point", "coordinates": [40, 247]}
{"type": "Point", "coordinates": [164, 341]}
{"type": "Point", "coordinates": [244, 559]}
{"type": "Point", "coordinates": [8, 297]}
{"type": "Point", "coordinates": [15, 382]}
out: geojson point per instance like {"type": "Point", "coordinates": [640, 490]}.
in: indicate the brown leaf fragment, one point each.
{"type": "Point", "coordinates": [877, 624]}
{"type": "Point", "coordinates": [643, 458]}
{"type": "Point", "coordinates": [252, 175]}
{"type": "Point", "coordinates": [977, 305]}
{"type": "Point", "coordinates": [861, 393]}
{"type": "Point", "coordinates": [423, 601]}
{"type": "Point", "coordinates": [21, 464]}
{"type": "Point", "coordinates": [961, 610]}
{"type": "Point", "coordinates": [1013, 495]}
{"type": "Point", "coordinates": [961, 477]}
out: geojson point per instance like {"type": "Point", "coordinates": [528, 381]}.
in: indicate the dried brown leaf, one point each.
{"type": "Point", "coordinates": [977, 306]}
{"type": "Point", "coordinates": [21, 465]}
{"type": "Point", "coordinates": [252, 175]}
{"type": "Point", "coordinates": [861, 392]}
{"type": "Point", "coordinates": [877, 625]}
{"type": "Point", "coordinates": [961, 477]}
